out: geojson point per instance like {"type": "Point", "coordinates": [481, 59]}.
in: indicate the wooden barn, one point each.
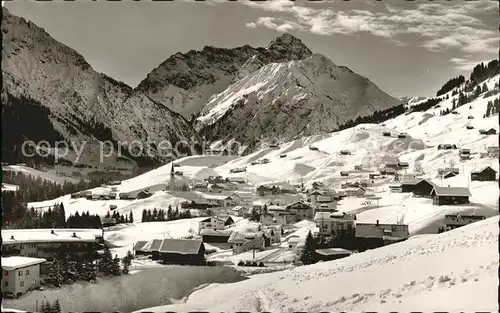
{"type": "Point", "coordinates": [423, 188]}
{"type": "Point", "coordinates": [450, 195]}
{"type": "Point", "coordinates": [215, 236]}
{"type": "Point", "coordinates": [151, 248]}
{"type": "Point", "coordinates": [386, 134]}
{"type": "Point", "coordinates": [408, 184]}
{"type": "Point", "coordinates": [490, 131]}
{"type": "Point", "coordinates": [182, 252]}
{"type": "Point", "coordinates": [483, 174]}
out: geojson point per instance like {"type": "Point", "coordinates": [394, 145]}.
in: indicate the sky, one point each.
{"type": "Point", "coordinates": [407, 48]}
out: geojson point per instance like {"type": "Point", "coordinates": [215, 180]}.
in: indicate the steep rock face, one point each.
{"type": "Point", "coordinates": [185, 82]}
{"type": "Point", "coordinates": [291, 100]}
{"type": "Point", "coordinates": [82, 105]}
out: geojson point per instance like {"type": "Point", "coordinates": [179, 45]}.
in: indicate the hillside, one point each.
{"type": "Point", "coordinates": [415, 275]}
{"type": "Point", "coordinates": [368, 147]}
{"type": "Point", "coordinates": [185, 82]}
{"type": "Point", "coordinates": [51, 93]}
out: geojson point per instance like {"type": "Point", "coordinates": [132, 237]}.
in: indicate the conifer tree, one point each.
{"type": "Point", "coordinates": [131, 217]}
{"type": "Point", "coordinates": [55, 273]}
{"type": "Point", "coordinates": [144, 216]}
{"type": "Point", "coordinates": [56, 307]}
{"type": "Point", "coordinates": [106, 262]}
{"type": "Point", "coordinates": [308, 252]}
{"type": "Point", "coordinates": [115, 266]}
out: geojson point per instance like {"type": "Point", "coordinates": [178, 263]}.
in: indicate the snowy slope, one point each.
{"type": "Point", "coordinates": [406, 276]}
{"type": "Point", "coordinates": [368, 147]}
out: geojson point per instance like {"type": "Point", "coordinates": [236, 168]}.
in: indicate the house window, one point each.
{"type": "Point", "coordinates": [5, 273]}
{"type": "Point", "coordinates": [22, 283]}
{"type": "Point", "coordinates": [27, 272]}
{"type": "Point", "coordinates": [6, 284]}
{"type": "Point", "coordinates": [20, 273]}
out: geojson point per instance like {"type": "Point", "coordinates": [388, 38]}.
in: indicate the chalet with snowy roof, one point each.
{"type": "Point", "coordinates": [215, 236]}
{"type": "Point", "coordinates": [182, 252]}
{"type": "Point", "coordinates": [143, 194]}
{"type": "Point", "coordinates": [343, 173]}
{"type": "Point", "coordinates": [152, 248]}
{"type": "Point", "coordinates": [450, 195]}
{"type": "Point", "coordinates": [325, 204]}
{"type": "Point", "coordinates": [469, 127]}
{"type": "Point", "coordinates": [464, 151]}
{"type": "Point", "coordinates": [329, 254]}
{"type": "Point", "coordinates": [386, 133]}
{"type": "Point", "coordinates": [239, 210]}
{"type": "Point", "coordinates": [447, 146]}
{"type": "Point", "coordinates": [345, 152]}
{"type": "Point", "coordinates": [272, 235]}
{"type": "Point", "coordinates": [215, 223]}
{"type": "Point", "coordinates": [449, 175]}
{"type": "Point", "coordinates": [452, 221]}
{"type": "Point", "coordinates": [137, 248]}
{"type": "Point", "coordinates": [423, 188]}
{"type": "Point", "coordinates": [302, 210]}
{"type": "Point", "coordinates": [236, 179]}
{"type": "Point", "coordinates": [355, 192]}
{"type": "Point", "coordinates": [464, 154]}
{"type": "Point", "coordinates": [388, 171]}
{"type": "Point", "coordinates": [373, 175]}
{"type": "Point", "coordinates": [386, 233]}
{"type": "Point", "coordinates": [9, 187]}
{"type": "Point", "coordinates": [483, 174]}
{"type": "Point", "coordinates": [221, 199]}
{"type": "Point", "coordinates": [126, 196]}
{"type": "Point", "coordinates": [330, 223]}
{"type": "Point", "coordinates": [238, 170]}
{"type": "Point", "coordinates": [403, 164]}
{"type": "Point", "coordinates": [46, 243]}
{"type": "Point", "coordinates": [268, 219]}
{"type": "Point", "coordinates": [493, 151]}
{"type": "Point", "coordinates": [241, 242]}
{"type": "Point", "coordinates": [20, 274]}
{"type": "Point", "coordinates": [490, 131]}
{"type": "Point", "coordinates": [242, 198]}
{"type": "Point", "coordinates": [443, 171]}
{"type": "Point", "coordinates": [403, 135]}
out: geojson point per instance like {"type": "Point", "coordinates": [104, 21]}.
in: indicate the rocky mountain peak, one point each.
{"type": "Point", "coordinates": [290, 47]}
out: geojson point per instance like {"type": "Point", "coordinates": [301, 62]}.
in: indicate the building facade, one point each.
{"type": "Point", "coordinates": [20, 275]}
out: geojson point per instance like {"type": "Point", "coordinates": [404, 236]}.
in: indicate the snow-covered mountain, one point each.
{"type": "Point", "coordinates": [410, 101]}
{"type": "Point", "coordinates": [185, 82]}
{"type": "Point", "coordinates": [291, 100]}
{"type": "Point", "coordinates": [51, 93]}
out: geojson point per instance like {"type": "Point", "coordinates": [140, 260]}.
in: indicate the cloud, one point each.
{"type": "Point", "coordinates": [466, 64]}
{"type": "Point", "coordinates": [438, 26]}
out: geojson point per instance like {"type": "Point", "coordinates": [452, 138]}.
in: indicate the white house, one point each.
{"type": "Point", "coordinates": [214, 223]}
{"type": "Point", "coordinates": [330, 223]}
{"type": "Point", "coordinates": [240, 210]}
{"type": "Point", "coordinates": [273, 233]}
{"type": "Point", "coordinates": [242, 198]}
{"type": "Point", "coordinates": [241, 242]}
{"type": "Point", "coordinates": [20, 274]}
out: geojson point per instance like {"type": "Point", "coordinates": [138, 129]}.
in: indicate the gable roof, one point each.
{"type": "Point", "coordinates": [333, 251]}
{"type": "Point", "coordinates": [409, 181]}
{"type": "Point", "coordinates": [182, 246]}
{"type": "Point", "coordinates": [152, 245]}
{"type": "Point", "coordinates": [211, 232]}
{"type": "Point", "coordinates": [452, 191]}
{"type": "Point", "coordinates": [236, 237]}
{"type": "Point", "coordinates": [139, 245]}
{"type": "Point", "coordinates": [428, 182]}
{"type": "Point", "coordinates": [479, 171]}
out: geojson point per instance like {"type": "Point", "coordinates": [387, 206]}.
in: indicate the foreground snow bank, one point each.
{"type": "Point", "coordinates": [460, 266]}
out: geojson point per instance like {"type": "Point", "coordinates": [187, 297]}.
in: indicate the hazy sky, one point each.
{"type": "Point", "coordinates": [406, 48]}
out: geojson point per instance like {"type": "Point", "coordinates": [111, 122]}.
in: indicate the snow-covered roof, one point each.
{"type": "Point", "coordinates": [329, 216]}
{"type": "Point", "coordinates": [333, 251]}
{"type": "Point", "coordinates": [480, 170]}
{"type": "Point", "coordinates": [15, 262]}
{"type": "Point", "coordinates": [152, 245]}
{"type": "Point", "coordinates": [211, 232]}
{"type": "Point", "coordinates": [452, 191]}
{"type": "Point", "coordinates": [409, 181]}
{"type": "Point", "coordinates": [181, 246]}
{"type": "Point", "coordinates": [139, 245]}
{"type": "Point", "coordinates": [9, 187]}
{"type": "Point", "coordinates": [13, 236]}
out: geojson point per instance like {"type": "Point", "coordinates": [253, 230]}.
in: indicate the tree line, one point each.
{"type": "Point", "coordinates": [53, 217]}
{"type": "Point", "coordinates": [160, 215]}
{"type": "Point", "coordinates": [492, 108]}
{"type": "Point", "coordinates": [451, 84]}
{"type": "Point", "coordinates": [121, 218]}
{"type": "Point", "coordinates": [375, 118]}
